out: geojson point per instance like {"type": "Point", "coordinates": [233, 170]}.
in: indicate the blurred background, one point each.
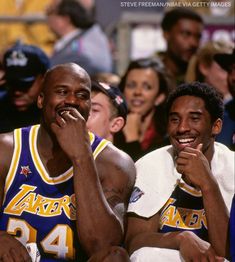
{"type": "Point", "coordinates": [132, 27]}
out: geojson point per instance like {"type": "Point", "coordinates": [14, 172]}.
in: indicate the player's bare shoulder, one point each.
{"type": "Point", "coordinates": [113, 163]}
{"type": "Point", "coordinates": [7, 148]}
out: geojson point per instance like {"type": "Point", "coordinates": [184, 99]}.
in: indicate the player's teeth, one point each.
{"type": "Point", "coordinates": [63, 112]}
{"type": "Point", "coordinates": [186, 140]}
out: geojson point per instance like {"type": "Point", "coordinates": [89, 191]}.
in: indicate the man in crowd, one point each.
{"type": "Point", "coordinates": [179, 207]}
{"type": "Point", "coordinates": [227, 135]}
{"type": "Point", "coordinates": [182, 29]}
{"type": "Point", "coordinates": [80, 39]}
{"type": "Point", "coordinates": [227, 62]}
{"type": "Point", "coordinates": [108, 110]}
{"type": "Point", "coordinates": [24, 67]}
{"type": "Point", "coordinates": [61, 187]}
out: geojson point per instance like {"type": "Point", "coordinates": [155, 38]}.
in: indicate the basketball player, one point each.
{"type": "Point", "coordinates": [61, 187]}
{"type": "Point", "coordinates": [183, 191]}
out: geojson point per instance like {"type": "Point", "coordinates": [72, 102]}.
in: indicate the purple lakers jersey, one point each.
{"type": "Point", "coordinates": [39, 208]}
{"type": "Point", "coordinates": [184, 211]}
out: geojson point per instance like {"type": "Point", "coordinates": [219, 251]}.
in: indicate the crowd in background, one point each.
{"type": "Point", "coordinates": [72, 32]}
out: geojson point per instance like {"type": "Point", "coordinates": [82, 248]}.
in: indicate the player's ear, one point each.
{"type": "Point", "coordinates": [166, 35]}
{"type": "Point", "coordinates": [40, 100]}
{"type": "Point", "coordinates": [116, 124]}
{"type": "Point", "coordinates": [217, 126]}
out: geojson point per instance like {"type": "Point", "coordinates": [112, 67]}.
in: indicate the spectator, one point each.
{"type": "Point", "coordinates": [2, 80]}
{"type": "Point", "coordinates": [204, 68]}
{"type": "Point", "coordinates": [183, 191]}
{"type": "Point", "coordinates": [227, 135]}
{"type": "Point", "coordinates": [108, 110]}
{"type": "Point", "coordinates": [89, 5]}
{"type": "Point", "coordinates": [145, 88]}
{"type": "Point", "coordinates": [80, 39]}
{"type": "Point", "coordinates": [182, 29]}
{"type": "Point", "coordinates": [24, 67]}
{"type": "Point", "coordinates": [72, 188]}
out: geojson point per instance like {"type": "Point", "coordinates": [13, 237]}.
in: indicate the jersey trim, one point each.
{"type": "Point", "coordinates": [39, 165]}
{"type": "Point", "coordinates": [190, 190]}
{"type": "Point", "coordinates": [101, 145]}
{"type": "Point", "coordinates": [14, 162]}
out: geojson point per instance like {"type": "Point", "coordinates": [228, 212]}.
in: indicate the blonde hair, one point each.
{"type": "Point", "coordinates": [205, 56]}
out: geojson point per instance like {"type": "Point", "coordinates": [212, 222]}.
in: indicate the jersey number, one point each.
{"type": "Point", "coordinates": [58, 241]}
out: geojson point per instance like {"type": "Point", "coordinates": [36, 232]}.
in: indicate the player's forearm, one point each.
{"type": "Point", "coordinates": [217, 218]}
{"type": "Point", "coordinates": [97, 225]}
{"type": "Point", "coordinates": [169, 240]}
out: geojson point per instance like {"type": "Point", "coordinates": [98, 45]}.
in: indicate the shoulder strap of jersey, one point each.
{"type": "Point", "coordinates": [21, 137]}
{"type": "Point", "coordinates": [97, 144]}
{"type": "Point", "coordinates": [15, 160]}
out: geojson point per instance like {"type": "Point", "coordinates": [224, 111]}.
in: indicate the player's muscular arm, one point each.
{"type": "Point", "coordinates": [117, 186]}
{"type": "Point", "coordinates": [102, 202]}
{"type": "Point", "coordinates": [217, 217]}
{"type": "Point", "coordinates": [11, 249]}
{"type": "Point", "coordinates": [143, 232]}
{"type": "Point", "coordinates": [97, 224]}
{"type": "Point", "coordinates": [6, 149]}
{"type": "Point", "coordinates": [195, 167]}
{"type": "Point", "coordinates": [116, 203]}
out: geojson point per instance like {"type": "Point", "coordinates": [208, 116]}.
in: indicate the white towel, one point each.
{"type": "Point", "coordinates": [157, 178]}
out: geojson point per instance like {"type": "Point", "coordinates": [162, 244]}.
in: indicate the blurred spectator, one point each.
{"type": "Point", "coordinates": [24, 67]}
{"type": "Point", "coordinates": [89, 5]}
{"type": "Point", "coordinates": [2, 80]}
{"type": "Point", "coordinates": [108, 78]}
{"type": "Point", "coordinates": [35, 33]}
{"type": "Point", "coordinates": [80, 39]}
{"type": "Point", "coordinates": [108, 110]}
{"type": "Point", "coordinates": [145, 88]}
{"type": "Point", "coordinates": [202, 67]}
{"type": "Point", "coordinates": [182, 29]}
{"type": "Point", "coordinates": [227, 135]}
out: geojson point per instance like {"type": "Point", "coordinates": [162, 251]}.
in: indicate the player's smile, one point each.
{"type": "Point", "coordinates": [189, 123]}
{"type": "Point", "coordinates": [65, 109]}
{"type": "Point", "coordinates": [186, 141]}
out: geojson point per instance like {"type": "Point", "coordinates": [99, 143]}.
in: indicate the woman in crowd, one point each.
{"type": "Point", "coordinates": [202, 67]}
{"type": "Point", "coordinates": [145, 88]}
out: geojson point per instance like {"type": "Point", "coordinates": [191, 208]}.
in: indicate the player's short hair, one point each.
{"type": "Point", "coordinates": [212, 98]}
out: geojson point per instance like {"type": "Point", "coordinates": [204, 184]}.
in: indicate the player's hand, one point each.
{"type": "Point", "coordinates": [71, 132]}
{"type": "Point", "coordinates": [194, 166]}
{"type": "Point", "coordinates": [11, 250]}
{"type": "Point", "coordinates": [192, 248]}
